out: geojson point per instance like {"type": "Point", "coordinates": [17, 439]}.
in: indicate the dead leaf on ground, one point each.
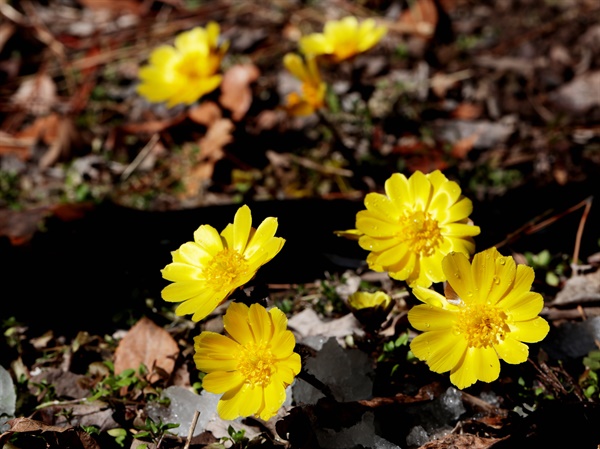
{"type": "Point", "coordinates": [236, 94]}
{"type": "Point", "coordinates": [580, 95]}
{"type": "Point", "coordinates": [117, 6]}
{"type": "Point", "coordinates": [206, 113]}
{"type": "Point", "coordinates": [461, 441]}
{"type": "Point", "coordinates": [421, 18]}
{"type": "Point", "coordinates": [36, 95]}
{"type": "Point", "coordinates": [149, 344]}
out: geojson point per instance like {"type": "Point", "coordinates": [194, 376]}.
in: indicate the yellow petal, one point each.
{"type": "Point", "coordinates": [294, 64]}
{"type": "Point", "coordinates": [381, 207]}
{"type": "Point", "coordinates": [445, 195]}
{"type": "Point", "coordinates": [460, 210]}
{"type": "Point", "coordinates": [420, 190]}
{"type": "Point", "coordinates": [242, 223]}
{"type": "Point", "coordinates": [432, 267]}
{"type": "Point", "coordinates": [460, 230]}
{"type": "Point", "coordinates": [377, 245]}
{"type": "Point", "coordinates": [235, 322]}
{"type": "Point", "coordinates": [282, 344]}
{"type": "Point", "coordinates": [512, 351]}
{"type": "Point", "coordinates": [374, 227]}
{"type": "Point", "coordinates": [506, 270]}
{"type": "Point", "coordinates": [260, 323]}
{"type": "Point", "coordinates": [209, 239]}
{"type": "Point", "coordinates": [523, 279]}
{"type": "Point", "coordinates": [522, 307]}
{"type": "Point", "coordinates": [181, 272]}
{"type": "Point", "coordinates": [287, 368]}
{"type": "Point", "coordinates": [180, 291]}
{"type": "Point", "coordinates": [228, 407]}
{"type": "Point", "coordinates": [484, 273]}
{"type": "Point", "coordinates": [163, 56]}
{"type": "Point", "coordinates": [477, 364]}
{"type": "Point", "coordinates": [458, 272]}
{"type": "Point", "coordinates": [264, 233]}
{"type": "Point", "coordinates": [315, 44]}
{"type": "Point", "coordinates": [426, 318]}
{"type": "Point", "coordinates": [252, 400]}
{"type": "Point", "coordinates": [442, 350]}
{"type": "Point", "coordinates": [396, 188]}
{"type": "Point", "coordinates": [274, 397]}
{"type": "Point", "coordinates": [219, 382]}
{"type": "Point", "coordinates": [430, 297]}
{"type": "Point", "coordinates": [530, 331]}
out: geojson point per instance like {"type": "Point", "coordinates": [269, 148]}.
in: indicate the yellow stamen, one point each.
{"type": "Point", "coordinates": [226, 268]}
{"type": "Point", "coordinates": [256, 363]}
{"type": "Point", "coordinates": [420, 232]}
{"type": "Point", "coordinates": [482, 325]}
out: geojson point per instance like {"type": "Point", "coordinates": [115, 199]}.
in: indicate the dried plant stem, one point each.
{"type": "Point", "coordinates": [192, 428]}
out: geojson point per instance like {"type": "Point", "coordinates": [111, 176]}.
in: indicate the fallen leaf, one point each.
{"type": "Point", "coordinates": [461, 148]}
{"type": "Point", "coordinates": [149, 344]}
{"type": "Point", "coordinates": [580, 95]}
{"type": "Point", "coordinates": [20, 226]}
{"type": "Point", "coordinates": [36, 95]}
{"type": "Point", "coordinates": [206, 113]}
{"type": "Point", "coordinates": [236, 94]}
{"type": "Point", "coordinates": [117, 6]}
{"type": "Point", "coordinates": [461, 441]}
{"type": "Point", "coordinates": [421, 18]}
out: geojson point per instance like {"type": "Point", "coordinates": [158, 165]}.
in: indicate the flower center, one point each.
{"type": "Point", "coordinates": [482, 325]}
{"type": "Point", "coordinates": [420, 232]}
{"type": "Point", "coordinates": [226, 268]}
{"type": "Point", "coordinates": [256, 363]}
{"type": "Point", "coordinates": [189, 66]}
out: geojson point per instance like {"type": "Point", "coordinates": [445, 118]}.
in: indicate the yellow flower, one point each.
{"type": "Point", "coordinates": [488, 313]}
{"type": "Point", "coordinates": [185, 72]}
{"type": "Point", "coordinates": [370, 309]}
{"type": "Point", "coordinates": [363, 300]}
{"type": "Point", "coordinates": [313, 89]}
{"type": "Point", "coordinates": [253, 365]}
{"type": "Point", "coordinates": [343, 39]}
{"type": "Point", "coordinates": [411, 228]}
{"type": "Point", "coordinates": [206, 271]}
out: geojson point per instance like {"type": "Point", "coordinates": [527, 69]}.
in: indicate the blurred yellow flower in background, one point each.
{"type": "Point", "coordinates": [487, 314]}
{"type": "Point", "coordinates": [414, 225]}
{"type": "Point", "coordinates": [252, 366]}
{"type": "Point", "coordinates": [313, 89]}
{"type": "Point", "coordinates": [206, 271]}
{"type": "Point", "coordinates": [343, 39]}
{"type": "Point", "coordinates": [370, 309]}
{"type": "Point", "coordinates": [186, 71]}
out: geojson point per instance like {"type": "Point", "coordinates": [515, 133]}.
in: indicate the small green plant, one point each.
{"type": "Point", "coordinates": [588, 381]}
{"type": "Point", "coordinates": [154, 432]}
{"type": "Point", "coordinates": [111, 385]}
{"type": "Point", "coordinates": [553, 267]}
{"type": "Point", "coordinates": [397, 349]}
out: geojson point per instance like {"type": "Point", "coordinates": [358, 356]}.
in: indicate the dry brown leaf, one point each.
{"type": "Point", "coordinates": [461, 441]}
{"type": "Point", "coordinates": [149, 344]}
{"type": "Point", "coordinates": [461, 148]}
{"type": "Point", "coordinates": [421, 18]}
{"type": "Point", "coordinates": [36, 95]}
{"type": "Point", "coordinates": [206, 113]}
{"type": "Point", "coordinates": [467, 111]}
{"type": "Point", "coordinates": [60, 147]}
{"type": "Point", "coordinates": [20, 226]}
{"type": "Point", "coordinates": [236, 94]}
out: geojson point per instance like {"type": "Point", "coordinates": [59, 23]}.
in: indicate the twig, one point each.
{"type": "Point", "coordinates": [586, 211]}
{"type": "Point", "coordinates": [140, 157]}
{"type": "Point", "coordinates": [192, 428]}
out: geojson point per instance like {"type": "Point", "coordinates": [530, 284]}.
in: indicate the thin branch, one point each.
{"type": "Point", "coordinates": [192, 428]}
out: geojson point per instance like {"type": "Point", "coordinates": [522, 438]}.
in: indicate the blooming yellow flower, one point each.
{"type": "Point", "coordinates": [206, 271]}
{"type": "Point", "coordinates": [313, 88]}
{"type": "Point", "coordinates": [253, 365]}
{"type": "Point", "coordinates": [488, 313]}
{"type": "Point", "coordinates": [185, 72]}
{"type": "Point", "coordinates": [370, 309]}
{"type": "Point", "coordinates": [411, 228]}
{"type": "Point", "coordinates": [343, 39]}
{"type": "Point", "coordinates": [362, 300]}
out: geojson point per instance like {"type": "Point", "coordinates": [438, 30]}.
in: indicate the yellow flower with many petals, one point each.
{"type": "Point", "coordinates": [253, 365]}
{"type": "Point", "coordinates": [343, 39]}
{"type": "Point", "coordinates": [206, 271]}
{"type": "Point", "coordinates": [313, 88]}
{"type": "Point", "coordinates": [186, 71]}
{"type": "Point", "coordinates": [411, 228]}
{"type": "Point", "coordinates": [488, 314]}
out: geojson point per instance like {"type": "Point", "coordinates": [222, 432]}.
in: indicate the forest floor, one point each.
{"type": "Point", "coordinates": [98, 186]}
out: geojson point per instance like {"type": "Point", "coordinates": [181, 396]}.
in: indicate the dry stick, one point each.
{"type": "Point", "coordinates": [140, 157]}
{"type": "Point", "coordinates": [192, 428]}
{"type": "Point", "coordinates": [531, 227]}
{"type": "Point", "coordinates": [586, 211]}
